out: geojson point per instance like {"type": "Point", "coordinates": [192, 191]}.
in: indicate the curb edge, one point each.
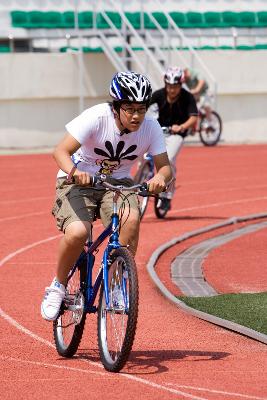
{"type": "Point", "coordinates": [200, 314]}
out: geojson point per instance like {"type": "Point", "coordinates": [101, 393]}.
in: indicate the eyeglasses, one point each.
{"type": "Point", "coordinates": [173, 85]}
{"type": "Point", "coordinates": [132, 110]}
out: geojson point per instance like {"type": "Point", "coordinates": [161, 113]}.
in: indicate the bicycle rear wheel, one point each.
{"type": "Point", "coordinates": [161, 206]}
{"type": "Point", "coordinates": [117, 324]}
{"type": "Point", "coordinates": [210, 129]}
{"type": "Point", "coordinates": [68, 328]}
{"type": "Point", "coordinates": [143, 174]}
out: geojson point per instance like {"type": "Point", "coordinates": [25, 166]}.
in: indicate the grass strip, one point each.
{"type": "Point", "coordinates": [247, 309]}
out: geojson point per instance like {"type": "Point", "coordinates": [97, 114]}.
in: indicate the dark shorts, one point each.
{"type": "Point", "coordinates": [80, 203]}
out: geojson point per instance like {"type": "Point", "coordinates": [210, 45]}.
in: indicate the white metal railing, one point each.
{"type": "Point", "coordinates": [160, 56]}
{"type": "Point", "coordinates": [139, 39]}
{"type": "Point", "coordinates": [124, 42]}
{"type": "Point", "coordinates": [181, 34]}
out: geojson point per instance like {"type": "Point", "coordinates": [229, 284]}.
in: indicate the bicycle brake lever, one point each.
{"type": "Point", "coordinates": [97, 180]}
{"type": "Point", "coordinates": [144, 186]}
{"type": "Point", "coordinates": [143, 190]}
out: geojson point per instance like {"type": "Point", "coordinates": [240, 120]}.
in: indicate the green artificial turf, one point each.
{"type": "Point", "coordinates": [247, 309]}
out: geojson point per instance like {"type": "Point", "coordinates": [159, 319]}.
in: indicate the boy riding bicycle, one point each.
{"type": "Point", "coordinates": [104, 139]}
{"type": "Point", "coordinates": [177, 110]}
{"type": "Point", "coordinates": [199, 88]}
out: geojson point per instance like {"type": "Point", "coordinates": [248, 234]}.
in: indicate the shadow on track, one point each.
{"type": "Point", "coordinates": [154, 361]}
{"type": "Point", "coordinates": [181, 218]}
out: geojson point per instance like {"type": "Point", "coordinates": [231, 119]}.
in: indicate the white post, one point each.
{"type": "Point", "coordinates": [80, 57]}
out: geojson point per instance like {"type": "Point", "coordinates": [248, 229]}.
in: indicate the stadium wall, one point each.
{"type": "Point", "coordinates": [40, 93]}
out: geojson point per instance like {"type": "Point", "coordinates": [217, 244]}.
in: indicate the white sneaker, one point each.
{"type": "Point", "coordinates": [117, 297]}
{"type": "Point", "coordinates": [54, 295]}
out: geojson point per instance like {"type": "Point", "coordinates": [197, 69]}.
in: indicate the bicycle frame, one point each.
{"type": "Point", "coordinates": [148, 157]}
{"type": "Point", "coordinates": [92, 246]}
{"type": "Point", "coordinates": [116, 281]}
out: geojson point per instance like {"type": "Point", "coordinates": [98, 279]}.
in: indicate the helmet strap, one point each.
{"type": "Point", "coordinates": [124, 131]}
{"type": "Point", "coordinates": [116, 112]}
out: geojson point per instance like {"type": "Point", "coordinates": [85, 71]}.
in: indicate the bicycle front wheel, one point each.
{"type": "Point", "coordinates": [161, 206]}
{"type": "Point", "coordinates": [69, 326]}
{"type": "Point", "coordinates": [117, 322]}
{"type": "Point", "coordinates": [143, 174]}
{"type": "Point", "coordinates": [210, 129]}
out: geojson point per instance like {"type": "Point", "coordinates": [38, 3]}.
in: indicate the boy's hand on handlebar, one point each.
{"type": "Point", "coordinates": [156, 184]}
{"type": "Point", "coordinates": [177, 128]}
{"type": "Point", "coordinates": [81, 178]}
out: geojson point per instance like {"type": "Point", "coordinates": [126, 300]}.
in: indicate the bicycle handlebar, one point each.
{"type": "Point", "coordinates": [99, 182]}
{"type": "Point", "coordinates": [166, 130]}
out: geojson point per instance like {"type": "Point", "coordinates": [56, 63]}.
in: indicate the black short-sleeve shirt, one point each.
{"type": "Point", "coordinates": [176, 113]}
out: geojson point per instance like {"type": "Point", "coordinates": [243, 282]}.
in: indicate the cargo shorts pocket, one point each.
{"type": "Point", "coordinates": [57, 213]}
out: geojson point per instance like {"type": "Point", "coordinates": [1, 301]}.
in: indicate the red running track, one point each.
{"type": "Point", "coordinates": [175, 355]}
{"type": "Point", "coordinates": [246, 271]}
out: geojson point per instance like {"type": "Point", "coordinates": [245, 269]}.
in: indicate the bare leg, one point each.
{"type": "Point", "coordinates": [70, 247]}
{"type": "Point", "coordinates": [174, 145]}
{"type": "Point", "coordinates": [129, 233]}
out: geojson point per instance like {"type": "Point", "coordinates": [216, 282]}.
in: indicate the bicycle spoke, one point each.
{"type": "Point", "coordinates": [68, 328]}
{"type": "Point", "coordinates": [210, 129]}
{"type": "Point", "coordinates": [117, 321]}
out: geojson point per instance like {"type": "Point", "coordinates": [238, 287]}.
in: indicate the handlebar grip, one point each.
{"type": "Point", "coordinates": [93, 180]}
{"type": "Point", "coordinates": [70, 178]}
{"type": "Point", "coordinates": [166, 129]}
{"type": "Point", "coordinates": [144, 186]}
{"type": "Point", "coordinates": [96, 180]}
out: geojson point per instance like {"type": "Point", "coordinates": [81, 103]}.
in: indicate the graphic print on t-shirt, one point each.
{"type": "Point", "coordinates": [113, 159]}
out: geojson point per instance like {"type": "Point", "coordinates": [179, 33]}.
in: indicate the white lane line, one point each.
{"type": "Point", "coordinates": [247, 188]}
{"type": "Point", "coordinates": [25, 200]}
{"type": "Point", "coordinates": [126, 376]}
{"type": "Point", "coordinates": [29, 215]}
{"type": "Point", "coordinates": [130, 377]}
{"type": "Point", "coordinates": [23, 216]}
{"type": "Point", "coordinates": [44, 364]}
{"type": "Point", "coordinates": [30, 246]}
{"type": "Point", "coordinates": [245, 396]}
{"type": "Point", "coordinates": [33, 263]}
{"type": "Point", "coordinates": [148, 215]}
{"type": "Point", "coordinates": [44, 341]}
{"type": "Point", "coordinates": [212, 205]}
{"type": "Point", "coordinates": [27, 188]}
{"type": "Point", "coordinates": [243, 178]}
{"type": "Point", "coordinates": [236, 188]}
{"type": "Point", "coordinates": [23, 329]}
{"type": "Point", "coordinates": [161, 387]}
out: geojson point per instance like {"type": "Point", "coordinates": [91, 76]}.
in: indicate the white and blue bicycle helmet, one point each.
{"type": "Point", "coordinates": [130, 87]}
{"type": "Point", "coordinates": [174, 75]}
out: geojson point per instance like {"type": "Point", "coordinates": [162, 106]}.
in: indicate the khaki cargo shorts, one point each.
{"type": "Point", "coordinates": [80, 203]}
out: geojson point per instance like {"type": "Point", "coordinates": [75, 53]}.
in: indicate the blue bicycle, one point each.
{"type": "Point", "coordinates": [117, 281]}
{"type": "Point", "coordinates": [145, 172]}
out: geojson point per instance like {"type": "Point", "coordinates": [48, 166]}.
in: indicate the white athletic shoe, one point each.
{"type": "Point", "coordinates": [117, 297]}
{"type": "Point", "coordinates": [54, 295]}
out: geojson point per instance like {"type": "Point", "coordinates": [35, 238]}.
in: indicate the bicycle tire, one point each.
{"type": "Point", "coordinates": [69, 326]}
{"type": "Point", "coordinates": [160, 212]}
{"type": "Point", "coordinates": [114, 353]}
{"type": "Point", "coordinates": [143, 174]}
{"type": "Point", "coordinates": [211, 137]}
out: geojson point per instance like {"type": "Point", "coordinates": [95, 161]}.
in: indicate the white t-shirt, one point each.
{"type": "Point", "coordinates": [103, 150]}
